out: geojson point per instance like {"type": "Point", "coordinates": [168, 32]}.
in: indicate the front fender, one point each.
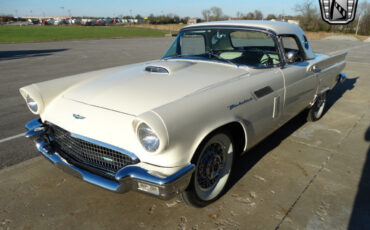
{"type": "Point", "coordinates": [192, 118]}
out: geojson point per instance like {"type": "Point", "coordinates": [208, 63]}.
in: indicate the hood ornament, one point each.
{"type": "Point", "coordinates": [78, 116]}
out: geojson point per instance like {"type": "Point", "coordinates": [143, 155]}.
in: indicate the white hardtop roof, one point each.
{"type": "Point", "coordinates": [275, 26]}
{"type": "Point", "coordinates": [279, 28]}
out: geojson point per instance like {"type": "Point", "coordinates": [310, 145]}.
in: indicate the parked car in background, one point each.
{"type": "Point", "coordinates": [88, 22]}
{"type": "Point", "coordinates": [50, 21]}
{"type": "Point", "coordinates": [175, 126]}
{"type": "Point", "coordinates": [58, 22]}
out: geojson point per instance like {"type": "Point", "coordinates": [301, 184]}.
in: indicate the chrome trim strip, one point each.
{"type": "Point", "coordinates": [130, 154]}
{"type": "Point", "coordinates": [135, 172]}
{"type": "Point", "coordinates": [34, 132]}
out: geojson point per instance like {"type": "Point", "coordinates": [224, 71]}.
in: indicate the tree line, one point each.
{"type": "Point", "coordinates": [310, 19]}
{"type": "Point", "coordinates": [308, 16]}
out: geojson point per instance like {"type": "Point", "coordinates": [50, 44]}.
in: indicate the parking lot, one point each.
{"type": "Point", "coordinates": [304, 176]}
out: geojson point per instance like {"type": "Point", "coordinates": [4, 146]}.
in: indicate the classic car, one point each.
{"type": "Point", "coordinates": [174, 126]}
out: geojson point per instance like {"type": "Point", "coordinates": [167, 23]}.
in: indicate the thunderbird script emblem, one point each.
{"type": "Point", "coordinates": [338, 11]}
{"type": "Point", "coordinates": [78, 116]}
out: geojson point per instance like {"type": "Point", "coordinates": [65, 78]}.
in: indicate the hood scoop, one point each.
{"type": "Point", "coordinates": [156, 69]}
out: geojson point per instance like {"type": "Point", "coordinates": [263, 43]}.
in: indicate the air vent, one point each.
{"type": "Point", "coordinates": [156, 69]}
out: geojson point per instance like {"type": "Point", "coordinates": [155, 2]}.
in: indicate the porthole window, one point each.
{"type": "Point", "coordinates": [306, 44]}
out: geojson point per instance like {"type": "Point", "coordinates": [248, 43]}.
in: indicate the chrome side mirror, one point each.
{"type": "Point", "coordinates": [292, 56]}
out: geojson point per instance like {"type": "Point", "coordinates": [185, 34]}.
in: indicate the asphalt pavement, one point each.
{"type": "Point", "coordinates": [304, 176]}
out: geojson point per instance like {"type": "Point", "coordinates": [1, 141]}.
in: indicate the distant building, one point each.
{"type": "Point", "coordinates": [193, 21]}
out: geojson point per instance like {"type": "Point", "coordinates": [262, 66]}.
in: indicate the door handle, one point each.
{"type": "Point", "coordinates": [315, 69]}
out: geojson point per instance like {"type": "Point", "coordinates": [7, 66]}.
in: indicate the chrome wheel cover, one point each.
{"type": "Point", "coordinates": [213, 167]}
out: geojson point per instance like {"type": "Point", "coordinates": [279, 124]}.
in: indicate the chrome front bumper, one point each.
{"type": "Point", "coordinates": [131, 177]}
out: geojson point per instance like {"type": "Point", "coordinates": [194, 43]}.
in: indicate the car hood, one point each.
{"type": "Point", "coordinates": [134, 90]}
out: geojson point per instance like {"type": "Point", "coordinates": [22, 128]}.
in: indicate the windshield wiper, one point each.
{"type": "Point", "coordinates": [221, 58]}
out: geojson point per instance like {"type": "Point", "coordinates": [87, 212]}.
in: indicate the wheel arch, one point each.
{"type": "Point", "coordinates": [325, 90]}
{"type": "Point", "coordinates": [237, 129]}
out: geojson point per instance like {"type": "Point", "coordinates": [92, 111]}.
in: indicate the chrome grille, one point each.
{"type": "Point", "coordinates": [88, 154]}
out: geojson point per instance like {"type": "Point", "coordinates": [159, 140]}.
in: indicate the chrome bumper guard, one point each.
{"type": "Point", "coordinates": [131, 177]}
{"type": "Point", "coordinates": [341, 77]}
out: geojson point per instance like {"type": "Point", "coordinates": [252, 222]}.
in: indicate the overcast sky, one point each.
{"type": "Point", "coordinates": [105, 8]}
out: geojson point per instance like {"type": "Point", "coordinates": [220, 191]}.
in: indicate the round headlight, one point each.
{"type": "Point", "coordinates": [32, 104]}
{"type": "Point", "coordinates": [147, 137]}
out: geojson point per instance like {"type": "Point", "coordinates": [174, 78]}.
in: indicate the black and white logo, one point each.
{"type": "Point", "coordinates": [338, 11]}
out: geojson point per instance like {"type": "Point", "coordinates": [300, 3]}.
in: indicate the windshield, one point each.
{"type": "Point", "coordinates": [234, 46]}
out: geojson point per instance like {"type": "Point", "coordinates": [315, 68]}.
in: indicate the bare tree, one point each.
{"type": "Point", "coordinates": [309, 15]}
{"type": "Point", "coordinates": [239, 14]}
{"type": "Point", "coordinates": [258, 15]}
{"type": "Point", "coordinates": [213, 14]}
{"type": "Point", "coordinates": [363, 23]}
{"type": "Point", "coordinates": [216, 13]}
{"type": "Point", "coordinates": [250, 16]}
{"type": "Point", "coordinates": [206, 15]}
{"type": "Point", "coordinates": [271, 16]}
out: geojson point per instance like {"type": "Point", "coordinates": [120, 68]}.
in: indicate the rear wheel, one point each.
{"type": "Point", "coordinates": [317, 110]}
{"type": "Point", "coordinates": [214, 160]}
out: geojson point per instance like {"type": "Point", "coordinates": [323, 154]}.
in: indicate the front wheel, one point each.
{"type": "Point", "coordinates": [214, 161]}
{"type": "Point", "coordinates": [317, 110]}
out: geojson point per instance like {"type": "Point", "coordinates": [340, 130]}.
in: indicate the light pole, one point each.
{"type": "Point", "coordinates": [358, 23]}
{"type": "Point", "coordinates": [62, 8]}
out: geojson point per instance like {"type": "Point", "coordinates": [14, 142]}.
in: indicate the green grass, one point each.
{"type": "Point", "coordinates": [58, 33]}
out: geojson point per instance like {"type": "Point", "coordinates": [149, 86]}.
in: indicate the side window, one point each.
{"type": "Point", "coordinates": [192, 44]}
{"type": "Point", "coordinates": [290, 43]}
{"type": "Point", "coordinates": [258, 48]}
{"type": "Point", "coordinates": [251, 39]}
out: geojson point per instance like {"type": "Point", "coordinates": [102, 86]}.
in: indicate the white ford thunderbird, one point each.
{"type": "Point", "coordinates": [175, 125]}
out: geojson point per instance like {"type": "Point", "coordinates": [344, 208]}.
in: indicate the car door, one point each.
{"type": "Point", "coordinates": [261, 93]}
{"type": "Point", "coordinates": [300, 81]}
